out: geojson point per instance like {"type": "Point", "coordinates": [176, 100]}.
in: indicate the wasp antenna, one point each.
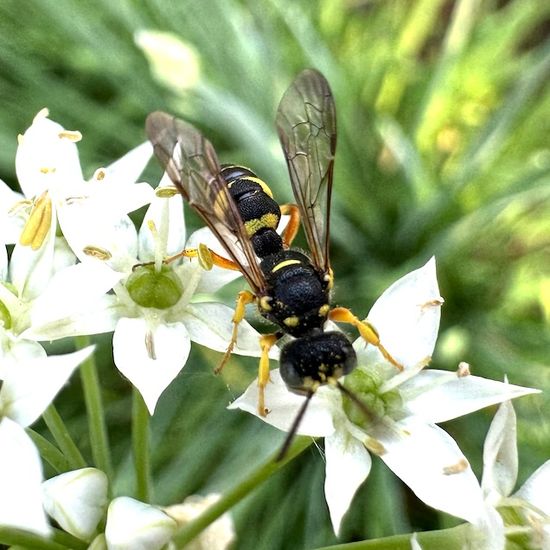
{"type": "Point", "coordinates": [294, 427]}
{"type": "Point", "coordinates": [364, 409]}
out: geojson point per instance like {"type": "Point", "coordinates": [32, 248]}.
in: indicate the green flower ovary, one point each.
{"type": "Point", "coordinates": [366, 387]}
{"type": "Point", "coordinates": [150, 288]}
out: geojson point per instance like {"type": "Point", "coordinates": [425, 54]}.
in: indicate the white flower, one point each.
{"type": "Point", "coordinates": [133, 525]}
{"type": "Point", "coordinates": [219, 535]}
{"type": "Point", "coordinates": [62, 300]}
{"type": "Point", "coordinates": [29, 386]}
{"type": "Point", "coordinates": [76, 500]}
{"type": "Point", "coordinates": [49, 173]}
{"type": "Point", "coordinates": [39, 299]}
{"type": "Point", "coordinates": [405, 408]}
{"type": "Point", "coordinates": [152, 311]}
{"type": "Point", "coordinates": [530, 505]}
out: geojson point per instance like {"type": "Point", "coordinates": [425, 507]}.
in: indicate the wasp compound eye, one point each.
{"type": "Point", "coordinates": [312, 361]}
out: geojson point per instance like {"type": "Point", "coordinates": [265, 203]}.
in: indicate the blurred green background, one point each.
{"type": "Point", "coordinates": [443, 150]}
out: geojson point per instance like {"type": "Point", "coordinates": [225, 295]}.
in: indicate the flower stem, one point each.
{"type": "Point", "coordinates": [49, 452]}
{"type": "Point", "coordinates": [454, 538]}
{"type": "Point", "coordinates": [22, 538]}
{"type": "Point", "coordinates": [97, 427]}
{"type": "Point", "coordinates": [235, 495]}
{"type": "Point", "coordinates": [140, 442]}
{"type": "Point", "coordinates": [63, 438]}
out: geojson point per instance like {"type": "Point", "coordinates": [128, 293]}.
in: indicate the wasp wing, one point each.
{"type": "Point", "coordinates": [192, 164]}
{"type": "Point", "coordinates": [306, 123]}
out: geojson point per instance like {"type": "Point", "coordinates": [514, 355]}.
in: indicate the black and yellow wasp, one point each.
{"type": "Point", "coordinates": [289, 288]}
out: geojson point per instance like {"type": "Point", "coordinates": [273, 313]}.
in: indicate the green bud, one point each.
{"type": "Point", "coordinates": [150, 288]}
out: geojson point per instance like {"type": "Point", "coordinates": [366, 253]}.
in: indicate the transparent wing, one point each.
{"type": "Point", "coordinates": [192, 164]}
{"type": "Point", "coordinates": [306, 123]}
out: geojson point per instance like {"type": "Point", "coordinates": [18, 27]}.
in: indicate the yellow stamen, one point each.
{"type": "Point", "coordinates": [39, 223]}
{"type": "Point", "coordinates": [71, 135]}
{"type": "Point", "coordinates": [96, 252]}
{"type": "Point", "coordinates": [99, 174]}
{"type": "Point", "coordinates": [205, 257]}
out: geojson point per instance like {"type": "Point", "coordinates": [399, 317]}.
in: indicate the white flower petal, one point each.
{"type": "Point", "coordinates": [90, 225]}
{"type": "Point", "coordinates": [100, 317]}
{"type": "Point", "coordinates": [150, 357]}
{"type": "Point", "coordinates": [284, 406]}
{"type": "Point", "coordinates": [30, 386]}
{"type": "Point", "coordinates": [73, 289]}
{"type": "Point", "coordinates": [3, 263]}
{"type": "Point", "coordinates": [76, 500]}
{"type": "Point", "coordinates": [133, 525]}
{"type": "Point", "coordinates": [429, 461]}
{"type": "Point", "coordinates": [488, 531]}
{"type": "Point", "coordinates": [455, 396]}
{"type": "Point", "coordinates": [127, 169]}
{"type": "Point", "coordinates": [45, 158]}
{"type": "Point", "coordinates": [407, 315]}
{"type": "Point", "coordinates": [210, 324]}
{"type": "Point", "coordinates": [348, 464]}
{"type": "Point", "coordinates": [10, 224]}
{"type": "Point", "coordinates": [500, 455]}
{"type": "Point", "coordinates": [535, 489]}
{"type": "Point", "coordinates": [167, 216]}
{"type": "Point", "coordinates": [20, 479]}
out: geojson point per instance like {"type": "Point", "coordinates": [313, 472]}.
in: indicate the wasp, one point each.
{"type": "Point", "coordinates": [291, 289]}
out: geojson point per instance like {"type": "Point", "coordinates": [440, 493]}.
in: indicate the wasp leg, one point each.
{"type": "Point", "coordinates": [207, 258]}
{"type": "Point", "coordinates": [293, 224]}
{"type": "Point", "coordinates": [266, 343]}
{"type": "Point", "coordinates": [244, 297]}
{"type": "Point", "coordinates": [366, 330]}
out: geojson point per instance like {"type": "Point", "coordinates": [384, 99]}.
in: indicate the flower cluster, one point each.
{"type": "Point", "coordinates": [78, 266]}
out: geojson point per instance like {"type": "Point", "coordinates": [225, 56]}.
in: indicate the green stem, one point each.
{"type": "Point", "coordinates": [49, 452]}
{"type": "Point", "coordinates": [235, 495]}
{"type": "Point", "coordinates": [454, 538]}
{"type": "Point", "coordinates": [97, 427]}
{"type": "Point", "coordinates": [63, 438]}
{"type": "Point", "coordinates": [140, 442]}
{"type": "Point", "coordinates": [68, 540]}
{"type": "Point", "coordinates": [22, 538]}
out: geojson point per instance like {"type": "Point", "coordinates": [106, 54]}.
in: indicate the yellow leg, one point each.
{"type": "Point", "coordinates": [244, 297]}
{"type": "Point", "coordinates": [366, 330]}
{"type": "Point", "coordinates": [266, 343]}
{"type": "Point", "coordinates": [293, 224]}
{"type": "Point", "coordinates": [206, 256]}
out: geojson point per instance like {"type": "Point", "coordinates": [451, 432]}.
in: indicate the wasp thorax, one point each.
{"type": "Point", "coordinates": [309, 362]}
{"type": "Point", "coordinates": [150, 288]}
{"type": "Point", "coordinates": [365, 385]}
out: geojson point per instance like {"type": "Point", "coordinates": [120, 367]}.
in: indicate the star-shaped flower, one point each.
{"type": "Point", "coordinates": [157, 308]}
{"type": "Point", "coordinates": [49, 174]}
{"type": "Point", "coordinates": [528, 509]}
{"type": "Point", "coordinates": [405, 408]}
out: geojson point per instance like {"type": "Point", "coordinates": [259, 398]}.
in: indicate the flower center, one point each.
{"type": "Point", "coordinates": [366, 386]}
{"type": "Point", "coordinates": [150, 288]}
